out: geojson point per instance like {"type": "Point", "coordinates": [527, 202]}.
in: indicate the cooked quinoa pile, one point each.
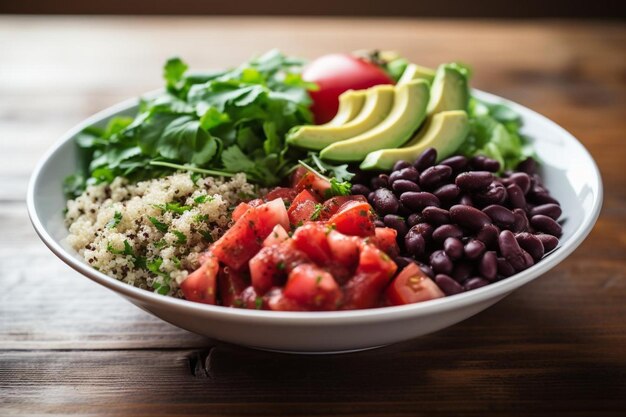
{"type": "Point", "coordinates": [150, 234]}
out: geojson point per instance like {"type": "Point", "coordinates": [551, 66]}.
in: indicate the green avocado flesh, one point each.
{"type": "Point", "coordinates": [350, 104]}
{"type": "Point", "coordinates": [445, 132]}
{"type": "Point", "coordinates": [417, 72]}
{"type": "Point", "coordinates": [378, 103]}
{"type": "Point", "coordinates": [407, 114]}
{"type": "Point", "coordinates": [449, 91]}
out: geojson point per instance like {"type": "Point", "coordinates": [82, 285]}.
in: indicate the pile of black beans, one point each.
{"type": "Point", "coordinates": [462, 223]}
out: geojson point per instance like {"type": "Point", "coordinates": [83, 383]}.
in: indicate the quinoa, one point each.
{"type": "Point", "coordinates": [150, 234]}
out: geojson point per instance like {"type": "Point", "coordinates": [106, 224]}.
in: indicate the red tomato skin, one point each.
{"type": "Point", "coordinates": [245, 238]}
{"type": "Point", "coordinates": [311, 286]}
{"type": "Point", "coordinates": [336, 73]}
{"type": "Point", "coordinates": [277, 236]}
{"type": "Point", "coordinates": [332, 205]}
{"type": "Point", "coordinates": [230, 285]}
{"type": "Point", "coordinates": [313, 182]}
{"type": "Point", "coordinates": [240, 210]}
{"type": "Point", "coordinates": [412, 286]}
{"type": "Point", "coordinates": [345, 249]}
{"type": "Point", "coordinates": [200, 285]}
{"type": "Point", "coordinates": [277, 301]}
{"type": "Point", "coordinates": [354, 218]}
{"type": "Point", "coordinates": [372, 276]}
{"type": "Point", "coordinates": [272, 264]}
{"type": "Point", "coordinates": [251, 300]}
{"type": "Point", "coordinates": [287, 194]}
{"type": "Point", "coordinates": [311, 239]}
{"type": "Point", "coordinates": [386, 240]}
{"type": "Point", "coordinates": [302, 208]}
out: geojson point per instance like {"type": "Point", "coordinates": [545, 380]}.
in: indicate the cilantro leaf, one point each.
{"type": "Point", "coordinates": [115, 220]}
{"type": "Point", "coordinates": [160, 226]}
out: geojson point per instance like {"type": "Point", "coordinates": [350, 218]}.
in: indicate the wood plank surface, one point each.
{"type": "Point", "coordinates": [69, 347]}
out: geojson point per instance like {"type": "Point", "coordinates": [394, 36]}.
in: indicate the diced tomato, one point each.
{"type": "Point", "coordinates": [412, 286]}
{"type": "Point", "coordinates": [245, 238]}
{"type": "Point", "coordinates": [354, 218]}
{"type": "Point", "coordinates": [332, 205]}
{"type": "Point", "coordinates": [302, 208]}
{"type": "Point", "coordinates": [277, 301]}
{"type": "Point", "coordinates": [372, 275]}
{"type": "Point", "coordinates": [297, 175]}
{"type": "Point", "coordinates": [272, 264]}
{"type": "Point", "coordinates": [311, 239]}
{"type": "Point", "coordinates": [276, 237]}
{"type": "Point", "coordinates": [240, 210]}
{"type": "Point", "coordinates": [312, 181]}
{"type": "Point", "coordinates": [311, 286]}
{"type": "Point", "coordinates": [256, 202]}
{"type": "Point", "coordinates": [250, 299]}
{"type": "Point", "coordinates": [287, 194]}
{"type": "Point", "coordinates": [385, 239]}
{"type": "Point", "coordinates": [200, 285]}
{"type": "Point", "coordinates": [345, 249]}
{"type": "Point", "coordinates": [230, 283]}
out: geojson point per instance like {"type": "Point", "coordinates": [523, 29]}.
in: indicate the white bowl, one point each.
{"type": "Point", "coordinates": [569, 172]}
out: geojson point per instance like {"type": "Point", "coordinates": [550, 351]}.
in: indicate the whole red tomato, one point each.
{"type": "Point", "coordinates": [336, 73]}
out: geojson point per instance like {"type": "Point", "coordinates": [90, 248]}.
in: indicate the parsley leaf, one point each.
{"type": "Point", "coordinates": [160, 226]}
{"type": "Point", "coordinates": [180, 236]}
{"type": "Point", "coordinates": [317, 211]}
{"type": "Point", "coordinates": [115, 220]}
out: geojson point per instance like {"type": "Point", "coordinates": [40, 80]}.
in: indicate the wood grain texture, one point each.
{"type": "Point", "coordinates": [68, 346]}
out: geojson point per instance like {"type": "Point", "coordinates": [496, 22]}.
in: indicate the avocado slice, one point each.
{"type": "Point", "coordinates": [449, 91]}
{"type": "Point", "coordinates": [416, 72]}
{"type": "Point", "coordinates": [445, 132]}
{"type": "Point", "coordinates": [378, 103]}
{"type": "Point", "coordinates": [407, 114]}
{"type": "Point", "coordinates": [350, 104]}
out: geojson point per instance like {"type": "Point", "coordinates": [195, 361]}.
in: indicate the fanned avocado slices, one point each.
{"type": "Point", "coordinates": [350, 105]}
{"type": "Point", "coordinates": [416, 72]}
{"type": "Point", "coordinates": [449, 91]}
{"type": "Point", "coordinates": [445, 132]}
{"type": "Point", "coordinates": [407, 114]}
{"type": "Point", "coordinates": [378, 103]}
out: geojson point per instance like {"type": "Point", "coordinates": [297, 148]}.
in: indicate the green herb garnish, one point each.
{"type": "Point", "coordinates": [160, 226]}
{"type": "Point", "coordinates": [117, 218]}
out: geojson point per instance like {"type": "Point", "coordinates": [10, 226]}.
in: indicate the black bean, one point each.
{"type": "Point", "coordinates": [414, 244]}
{"type": "Point", "coordinates": [381, 181]}
{"type": "Point", "coordinates": [482, 163]}
{"type": "Point", "coordinates": [474, 283]}
{"type": "Point", "coordinates": [512, 252]}
{"type": "Point", "coordinates": [440, 263]}
{"type": "Point", "coordinates": [419, 200]}
{"type": "Point", "coordinates": [468, 217]}
{"type": "Point", "coordinates": [472, 181]}
{"type": "Point", "coordinates": [453, 247]}
{"type": "Point", "coordinates": [379, 223]}
{"type": "Point", "coordinates": [385, 202]}
{"type": "Point", "coordinates": [436, 215]}
{"type": "Point", "coordinates": [549, 242]}
{"type": "Point", "coordinates": [403, 261]}
{"type": "Point", "coordinates": [402, 186]}
{"type": "Point", "coordinates": [413, 219]}
{"type": "Point", "coordinates": [546, 224]}
{"type": "Point", "coordinates": [521, 221]}
{"type": "Point", "coordinates": [551, 210]}
{"type": "Point", "coordinates": [409, 173]}
{"type": "Point", "coordinates": [494, 194]}
{"type": "Point", "coordinates": [448, 285]}
{"type": "Point", "coordinates": [424, 229]}
{"type": "Point", "coordinates": [466, 200]}
{"type": "Point", "coordinates": [543, 197]}
{"type": "Point", "coordinates": [447, 192]}
{"type": "Point", "coordinates": [457, 162]}
{"type": "Point", "coordinates": [537, 180]}
{"type": "Point", "coordinates": [488, 235]}
{"type": "Point", "coordinates": [397, 223]}
{"type": "Point", "coordinates": [522, 180]}
{"type": "Point", "coordinates": [488, 266]}
{"type": "Point", "coordinates": [501, 216]}
{"type": "Point", "coordinates": [435, 175]}
{"type": "Point", "coordinates": [426, 270]}
{"type": "Point", "coordinates": [528, 166]}
{"type": "Point", "coordinates": [360, 189]}
{"type": "Point", "coordinates": [474, 249]}
{"type": "Point", "coordinates": [370, 197]}
{"type": "Point", "coordinates": [504, 268]}
{"type": "Point", "coordinates": [400, 164]}
{"type": "Point", "coordinates": [445, 231]}
{"type": "Point", "coordinates": [516, 196]}
{"type": "Point", "coordinates": [462, 271]}
{"type": "Point", "coordinates": [531, 244]}
{"type": "Point", "coordinates": [426, 159]}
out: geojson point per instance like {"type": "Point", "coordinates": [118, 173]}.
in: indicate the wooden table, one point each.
{"type": "Point", "coordinates": [68, 346]}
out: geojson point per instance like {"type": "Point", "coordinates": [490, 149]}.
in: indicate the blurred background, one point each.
{"type": "Point", "coordinates": [611, 9]}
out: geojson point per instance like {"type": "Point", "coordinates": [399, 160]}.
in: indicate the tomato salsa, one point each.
{"type": "Point", "coordinates": [297, 249]}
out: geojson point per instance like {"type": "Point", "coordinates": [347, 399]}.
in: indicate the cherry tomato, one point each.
{"type": "Point", "coordinates": [412, 286]}
{"type": "Point", "coordinates": [336, 73]}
